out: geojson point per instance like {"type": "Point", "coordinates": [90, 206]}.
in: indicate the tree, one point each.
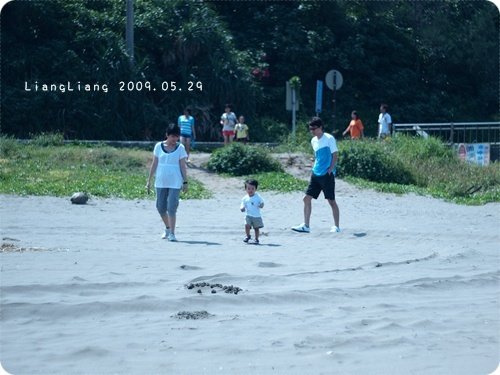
{"type": "Point", "coordinates": [430, 61]}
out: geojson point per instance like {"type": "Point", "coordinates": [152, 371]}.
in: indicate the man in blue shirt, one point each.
{"type": "Point", "coordinates": [322, 177]}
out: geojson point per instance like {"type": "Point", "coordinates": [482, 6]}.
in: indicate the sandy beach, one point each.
{"type": "Point", "coordinates": [410, 286]}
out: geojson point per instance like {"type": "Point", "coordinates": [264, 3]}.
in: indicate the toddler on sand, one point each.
{"type": "Point", "coordinates": [251, 203]}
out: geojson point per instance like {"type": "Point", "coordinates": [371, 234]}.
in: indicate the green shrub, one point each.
{"type": "Point", "coordinates": [368, 160]}
{"type": "Point", "coordinates": [267, 130]}
{"type": "Point", "coordinates": [9, 146]}
{"type": "Point", "coordinates": [47, 139]}
{"type": "Point", "coordinates": [239, 160]}
{"type": "Point", "coordinates": [413, 147]}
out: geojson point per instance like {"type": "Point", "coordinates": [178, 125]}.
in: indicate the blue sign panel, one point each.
{"type": "Point", "coordinates": [319, 96]}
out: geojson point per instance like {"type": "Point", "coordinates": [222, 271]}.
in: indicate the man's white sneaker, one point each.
{"type": "Point", "coordinates": [171, 237]}
{"type": "Point", "coordinates": [335, 229]}
{"type": "Point", "coordinates": [165, 233]}
{"type": "Point", "coordinates": [302, 228]}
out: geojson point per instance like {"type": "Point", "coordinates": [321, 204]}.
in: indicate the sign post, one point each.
{"type": "Point", "coordinates": [319, 97]}
{"type": "Point", "coordinates": [292, 104]}
{"type": "Point", "coordinates": [334, 82]}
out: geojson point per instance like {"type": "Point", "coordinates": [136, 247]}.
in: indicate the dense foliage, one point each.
{"type": "Point", "coordinates": [431, 61]}
{"type": "Point", "coordinates": [241, 160]}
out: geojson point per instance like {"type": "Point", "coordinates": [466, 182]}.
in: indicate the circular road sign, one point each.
{"type": "Point", "coordinates": [334, 79]}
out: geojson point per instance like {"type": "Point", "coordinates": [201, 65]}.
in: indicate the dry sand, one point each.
{"type": "Point", "coordinates": [411, 286]}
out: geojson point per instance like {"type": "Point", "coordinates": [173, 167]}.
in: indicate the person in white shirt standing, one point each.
{"type": "Point", "coordinates": [384, 122]}
{"type": "Point", "coordinates": [169, 168]}
{"type": "Point", "coordinates": [251, 203]}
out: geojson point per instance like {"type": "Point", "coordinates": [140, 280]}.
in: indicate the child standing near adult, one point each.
{"type": "Point", "coordinates": [241, 130]}
{"type": "Point", "coordinates": [251, 203]}
{"type": "Point", "coordinates": [355, 127]}
{"type": "Point", "coordinates": [169, 169]}
{"type": "Point", "coordinates": [228, 121]}
{"type": "Point", "coordinates": [186, 124]}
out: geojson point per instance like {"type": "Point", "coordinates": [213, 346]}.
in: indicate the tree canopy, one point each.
{"type": "Point", "coordinates": [430, 61]}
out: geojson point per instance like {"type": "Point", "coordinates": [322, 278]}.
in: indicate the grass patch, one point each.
{"type": "Point", "coordinates": [422, 166]}
{"type": "Point", "coordinates": [45, 169]}
{"type": "Point", "coordinates": [279, 181]}
{"type": "Point", "coordinates": [472, 199]}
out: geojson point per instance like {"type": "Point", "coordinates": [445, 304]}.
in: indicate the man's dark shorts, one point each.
{"type": "Point", "coordinates": [324, 183]}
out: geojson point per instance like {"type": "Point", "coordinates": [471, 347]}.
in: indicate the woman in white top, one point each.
{"type": "Point", "coordinates": [169, 166]}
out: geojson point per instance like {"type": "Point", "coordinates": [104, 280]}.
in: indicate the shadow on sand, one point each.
{"type": "Point", "coordinates": [264, 244]}
{"type": "Point", "coordinates": [200, 243]}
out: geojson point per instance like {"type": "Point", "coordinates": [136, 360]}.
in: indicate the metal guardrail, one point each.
{"type": "Point", "coordinates": [455, 132]}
